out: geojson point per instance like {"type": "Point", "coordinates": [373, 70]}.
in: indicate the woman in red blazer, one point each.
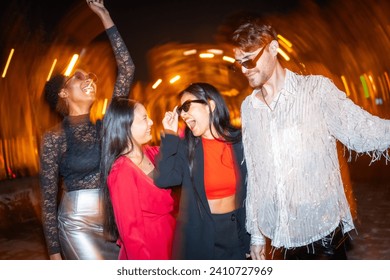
{"type": "Point", "coordinates": [138, 213]}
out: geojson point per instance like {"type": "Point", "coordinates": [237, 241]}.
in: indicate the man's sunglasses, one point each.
{"type": "Point", "coordinates": [186, 105]}
{"type": "Point", "coordinates": [251, 63]}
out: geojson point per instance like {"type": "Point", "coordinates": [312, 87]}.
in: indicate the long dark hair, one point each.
{"type": "Point", "coordinates": [219, 118]}
{"type": "Point", "coordinates": [116, 135]}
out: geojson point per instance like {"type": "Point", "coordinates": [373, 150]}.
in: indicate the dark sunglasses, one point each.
{"type": "Point", "coordinates": [251, 63]}
{"type": "Point", "coordinates": [80, 76]}
{"type": "Point", "coordinates": [186, 105]}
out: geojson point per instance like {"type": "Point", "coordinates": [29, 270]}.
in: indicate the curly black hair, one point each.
{"type": "Point", "coordinates": [51, 90]}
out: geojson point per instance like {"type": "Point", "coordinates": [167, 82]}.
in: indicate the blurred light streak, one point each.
{"type": "Point", "coordinates": [104, 106]}
{"type": "Point", "coordinates": [382, 88]}
{"type": "Point", "coordinates": [236, 121]}
{"type": "Point", "coordinates": [284, 40]}
{"type": "Point", "coordinates": [156, 84]}
{"type": "Point", "coordinates": [206, 55]}
{"type": "Point", "coordinates": [283, 54]}
{"type": "Point", "coordinates": [190, 52]}
{"type": "Point", "coordinates": [387, 80]}
{"type": "Point", "coordinates": [215, 51]}
{"type": "Point", "coordinates": [8, 62]}
{"type": "Point", "coordinates": [52, 69]}
{"type": "Point", "coordinates": [345, 85]}
{"type": "Point", "coordinates": [228, 59]}
{"type": "Point", "coordinates": [71, 65]}
{"type": "Point", "coordinates": [230, 92]}
{"type": "Point", "coordinates": [284, 45]}
{"type": "Point", "coordinates": [175, 79]}
{"type": "Point", "coordinates": [388, 85]}
{"type": "Point", "coordinates": [354, 92]}
{"type": "Point", "coordinates": [365, 87]}
{"type": "Point", "coordinates": [372, 83]}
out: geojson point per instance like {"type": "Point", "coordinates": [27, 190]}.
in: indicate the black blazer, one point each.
{"type": "Point", "coordinates": [195, 231]}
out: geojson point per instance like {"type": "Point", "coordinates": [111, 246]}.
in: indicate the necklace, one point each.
{"type": "Point", "coordinates": [148, 163]}
{"type": "Point", "coordinates": [265, 101]}
{"type": "Point", "coordinates": [132, 156]}
{"type": "Point", "coordinates": [142, 159]}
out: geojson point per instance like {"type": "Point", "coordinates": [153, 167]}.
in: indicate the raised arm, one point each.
{"type": "Point", "coordinates": [125, 64]}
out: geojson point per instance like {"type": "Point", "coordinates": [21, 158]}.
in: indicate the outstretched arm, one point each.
{"type": "Point", "coordinates": [125, 64]}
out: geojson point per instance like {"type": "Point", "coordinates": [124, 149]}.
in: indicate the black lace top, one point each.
{"type": "Point", "coordinates": [71, 152]}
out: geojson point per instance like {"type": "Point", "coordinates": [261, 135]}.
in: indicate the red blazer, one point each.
{"type": "Point", "coordinates": [143, 212]}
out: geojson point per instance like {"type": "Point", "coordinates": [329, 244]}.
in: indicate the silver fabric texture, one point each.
{"type": "Point", "coordinates": [295, 192]}
{"type": "Point", "coordinates": [80, 223]}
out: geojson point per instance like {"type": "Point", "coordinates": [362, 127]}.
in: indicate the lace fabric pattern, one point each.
{"type": "Point", "coordinates": [70, 153]}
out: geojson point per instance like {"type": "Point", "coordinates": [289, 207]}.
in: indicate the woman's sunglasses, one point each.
{"type": "Point", "coordinates": [186, 105]}
{"type": "Point", "coordinates": [80, 76]}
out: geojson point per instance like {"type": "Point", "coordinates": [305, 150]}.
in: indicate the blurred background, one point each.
{"type": "Point", "coordinates": [174, 43]}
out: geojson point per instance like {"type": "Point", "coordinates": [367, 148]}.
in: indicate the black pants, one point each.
{"type": "Point", "coordinates": [229, 243]}
{"type": "Point", "coordinates": [331, 247]}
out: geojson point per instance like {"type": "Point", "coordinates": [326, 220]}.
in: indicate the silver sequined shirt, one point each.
{"type": "Point", "coordinates": [295, 193]}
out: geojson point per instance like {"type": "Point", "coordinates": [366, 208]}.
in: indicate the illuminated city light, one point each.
{"type": "Point", "coordinates": [228, 59]}
{"type": "Point", "coordinates": [372, 82]}
{"type": "Point", "coordinates": [71, 65]}
{"type": "Point", "coordinates": [206, 55]}
{"type": "Point", "coordinates": [284, 40]}
{"type": "Point", "coordinates": [8, 62]}
{"type": "Point", "coordinates": [156, 84]}
{"type": "Point", "coordinates": [365, 87]}
{"type": "Point", "coordinates": [190, 52]}
{"type": "Point", "coordinates": [215, 51]}
{"type": "Point", "coordinates": [346, 85]}
{"type": "Point", "coordinates": [382, 88]}
{"type": "Point", "coordinates": [284, 45]}
{"type": "Point", "coordinates": [51, 69]}
{"type": "Point", "coordinates": [386, 95]}
{"type": "Point", "coordinates": [175, 79]}
{"type": "Point", "coordinates": [283, 54]}
{"type": "Point", "coordinates": [104, 106]}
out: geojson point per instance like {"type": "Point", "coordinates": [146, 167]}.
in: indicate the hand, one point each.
{"type": "Point", "coordinates": [171, 120]}
{"type": "Point", "coordinates": [258, 252]}
{"type": "Point", "coordinates": [97, 6]}
{"type": "Point", "coordinates": [56, 256]}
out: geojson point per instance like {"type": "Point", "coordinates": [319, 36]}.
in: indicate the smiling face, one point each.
{"type": "Point", "coordinates": [263, 65]}
{"type": "Point", "coordinates": [197, 117]}
{"type": "Point", "coordinates": [141, 127]}
{"type": "Point", "coordinates": [80, 90]}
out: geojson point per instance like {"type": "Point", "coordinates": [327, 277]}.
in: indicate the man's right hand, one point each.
{"type": "Point", "coordinates": [258, 252]}
{"type": "Point", "coordinates": [56, 256]}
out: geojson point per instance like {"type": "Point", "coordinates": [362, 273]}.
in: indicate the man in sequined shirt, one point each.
{"type": "Point", "coordinates": [290, 127]}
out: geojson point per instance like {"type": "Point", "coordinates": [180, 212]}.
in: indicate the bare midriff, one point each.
{"type": "Point", "coordinates": [222, 205]}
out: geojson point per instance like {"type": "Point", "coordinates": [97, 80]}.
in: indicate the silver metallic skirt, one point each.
{"type": "Point", "coordinates": [80, 223]}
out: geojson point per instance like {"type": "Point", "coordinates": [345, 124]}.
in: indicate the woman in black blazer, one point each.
{"type": "Point", "coordinates": [209, 166]}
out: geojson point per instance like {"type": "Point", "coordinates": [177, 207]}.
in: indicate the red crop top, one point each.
{"type": "Point", "coordinates": [219, 169]}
